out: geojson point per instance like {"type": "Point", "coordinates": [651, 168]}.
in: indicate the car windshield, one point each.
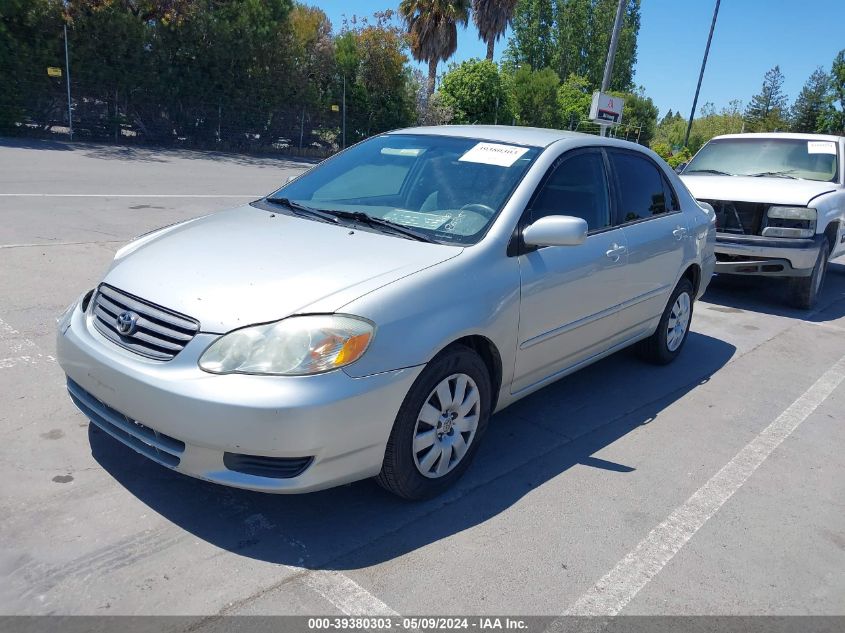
{"type": "Point", "coordinates": [442, 188]}
{"type": "Point", "coordinates": [767, 157]}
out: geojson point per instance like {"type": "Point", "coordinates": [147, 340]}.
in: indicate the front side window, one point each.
{"type": "Point", "coordinates": [577, 187]}
{"type": "Point", "coordinates": [768, 157]}
{"type": "Point", "coordinates": [642, 189]}
{"type": "Point", "coordinates": [448, 189]}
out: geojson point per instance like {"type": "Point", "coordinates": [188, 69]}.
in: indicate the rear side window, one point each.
{"type": "Point", "coordinates": [576, 187]}
{"type": "Point", "coordinates": [643, 191]}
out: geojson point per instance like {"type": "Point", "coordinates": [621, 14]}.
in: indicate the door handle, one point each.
{"type": "Point", "coordinates": [615, 252]}
{"type": "Point", "coordinates": [679, 233]}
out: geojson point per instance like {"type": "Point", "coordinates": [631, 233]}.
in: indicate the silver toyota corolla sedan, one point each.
{"type": "Point", "coordinates": [367, 318]}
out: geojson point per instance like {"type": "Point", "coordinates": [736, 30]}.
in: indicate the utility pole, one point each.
{"type": "Point", "coordinates": [67, 73]}
{"type": "Point", "coordinates": [611, 53]}
{"type": "Point", "coordinates": [701, 74]}
{"type": "Point", "coordinates": [344, 111]}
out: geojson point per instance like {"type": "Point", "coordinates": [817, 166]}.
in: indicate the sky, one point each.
{"type": "Point", "coordinates": [751, 36]}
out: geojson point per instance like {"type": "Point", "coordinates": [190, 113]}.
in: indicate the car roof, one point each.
{"type": "Point", "coordinates": [518, 135]}
{"type": "Point", "coordinates": [786, 135]}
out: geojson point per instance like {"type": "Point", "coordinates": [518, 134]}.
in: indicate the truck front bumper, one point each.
{"type": "Point", "coordinates": [774, 257]}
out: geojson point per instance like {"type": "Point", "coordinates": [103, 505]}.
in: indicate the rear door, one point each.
{"type": "Point", "coordinates": [656, 234]}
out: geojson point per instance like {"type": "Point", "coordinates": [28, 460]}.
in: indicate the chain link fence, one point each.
{"type": "Point", "coordinates": [39, 109]}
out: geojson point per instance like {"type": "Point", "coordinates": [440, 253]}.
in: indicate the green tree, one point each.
{"type": "Point", "coordinates": [382, 88]}
{"type": "Point", "coordinates": [672, 129]}
{"type": "Point", "coordinates": [433, 30]}
{"type": "Point", "coordinates": [572, 36]}
{"type": "Point", "coordinates": [601, 26]}
{"type": "Point", "coordinates": [532, 43]}
{"type": "Point", "coordinates": [810, 103]}
{"type": "Point", "coordinates": [639, 116]}
{"type": "Point", "coordinates": [492, 18]}
{"type": "Point", "coordinates": [475, 93]}
{"type": "Point", "coordinates": [574, 98]}
{"type": "Point", "coordinates": [832, 119]}
{"type": "Point", "coordinates": [767, 111]}
{"type": "Point", "coordinates": [30, 41]}
{"type": "Point", "coordinates": [533, 96]}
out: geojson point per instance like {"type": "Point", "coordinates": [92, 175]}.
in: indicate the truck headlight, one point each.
{"type": "Point", "coordinates": [296, 346]}
{"type": "Point", "coordinates": [790, 222]}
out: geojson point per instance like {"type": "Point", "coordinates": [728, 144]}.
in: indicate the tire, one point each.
{"type": "Point", "coordinates": [804, 291]}
{"type": "Point", "coordinates": [662, 347]}
{"type": "Point", "coordinates": [402, 471]}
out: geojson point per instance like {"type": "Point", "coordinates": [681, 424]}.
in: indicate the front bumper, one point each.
{"type": "Point", "coordinates": [776, 257]}
{"type": "Point", "coordinates": [341, 422]}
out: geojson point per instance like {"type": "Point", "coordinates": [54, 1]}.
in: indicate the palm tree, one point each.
{"type": "Point", "coordinates": [433, 30]}
{"type": "Point", "coordinates": [492, 17]}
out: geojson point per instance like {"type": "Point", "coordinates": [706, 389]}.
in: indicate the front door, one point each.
{"type": "Point", "coordinates": [569, 293]}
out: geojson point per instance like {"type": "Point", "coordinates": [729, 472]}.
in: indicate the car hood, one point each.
{"type": "Point", "coordinates": [756, 189]}
{"type": "Point", "coordinates": [247, 265]}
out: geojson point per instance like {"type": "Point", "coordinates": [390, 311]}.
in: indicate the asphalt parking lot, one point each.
{"type": "Point", "coordinates": [715, 485]}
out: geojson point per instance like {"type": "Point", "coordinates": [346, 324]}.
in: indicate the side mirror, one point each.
{"type": "Point", "coordinates": [680, 168]}
{"type": "Point", "coordinates": [556, 230]}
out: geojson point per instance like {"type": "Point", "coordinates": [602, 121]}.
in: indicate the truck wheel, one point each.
{"type": "Point", "coordinates": [439, 426]}
{"type": "Point", "coordinates": [662, 347]}
{"type": "Point", "coordinates": [804, 291]}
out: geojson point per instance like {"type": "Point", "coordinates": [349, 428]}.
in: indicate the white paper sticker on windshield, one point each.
{"type": "Point", "coordinates": [494, 154]}
{"type": "Point", "coordinates": [821, 147]}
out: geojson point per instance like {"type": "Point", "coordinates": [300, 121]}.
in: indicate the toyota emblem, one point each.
{"type": "Point", "coordinates": [127, 323]}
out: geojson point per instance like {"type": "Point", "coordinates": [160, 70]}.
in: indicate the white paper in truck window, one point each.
{"type": "Point", "coordinates": [494, 154]}
{"type": "Point", "coordinates": [821, 147]}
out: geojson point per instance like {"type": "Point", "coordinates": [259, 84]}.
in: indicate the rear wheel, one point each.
{"type": "Point", "coordinates": [665, 344]}
{"type": "Point", "coordinates": [439, 426]}
{"type": "Point", "coordinates": [805, 291]}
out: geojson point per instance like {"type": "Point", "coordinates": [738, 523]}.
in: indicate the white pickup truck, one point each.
{"type": "Point", "coordinates": [780, 205]}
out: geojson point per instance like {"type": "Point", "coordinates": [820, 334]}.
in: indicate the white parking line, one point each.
{"type": "Point", "coordinates": [619, 586]}
{"type": "Point", "coordinates": [19, 349]}
{"type": "Point", "coordinates": [129, 195]}
{"type": "Point", "coordinates": [345, 594]}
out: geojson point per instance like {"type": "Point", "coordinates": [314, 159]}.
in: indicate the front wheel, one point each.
{"type": "Point", "coordinates": [439, 426]}
{"type": "Point", "coordinates": [662, 347]}
{"type": "Point", "coordinates": [805, 291]}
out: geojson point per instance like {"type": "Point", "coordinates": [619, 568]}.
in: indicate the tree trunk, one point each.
{"type": "Point", "coordinates": [490, 44]}
{"type": "Point", "coordinates": [432, 76]}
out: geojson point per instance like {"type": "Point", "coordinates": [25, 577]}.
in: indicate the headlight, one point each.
{"type": "Point", "coordinates": [792, 213]}
{"type": "Point", "coordinates": [790, 222]}
{"type": "Point", "coordinates": [296, 346]}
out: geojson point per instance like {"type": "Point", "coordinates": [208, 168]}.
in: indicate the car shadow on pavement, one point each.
{"type": "Point", "coordinates": [770, 295]}
{"type": "Point", "coordinates": [535, 440]}
{"type": "Point", "coordinates": [153, 154]}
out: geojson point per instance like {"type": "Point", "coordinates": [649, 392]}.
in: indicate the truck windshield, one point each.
{"type": "Point", "coordinates": [767, 157]}
{"type": "Point", "coordinates": [445, 189]}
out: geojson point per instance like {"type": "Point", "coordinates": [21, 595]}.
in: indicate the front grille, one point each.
{"type": "Point", "coordinates": [739, 218]}
{"type": "Point", "coordinates": [157, 446]}
{"type": "Point", "coordinates": [261, 466]}
{"type": "Point", "coordinates": [158, 333]}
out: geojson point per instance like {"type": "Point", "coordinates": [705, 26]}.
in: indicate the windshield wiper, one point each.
{"type": "Point", "coordinates": [707, 171]}
{"type": "Point", "coordinates": [774, 174]}
{"type": "Point", "coordinates": [301, 209]}
{"type": "Point", "coordinates": [354, 216]}
{"type": "Point", "coordinates": [400, 229]}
